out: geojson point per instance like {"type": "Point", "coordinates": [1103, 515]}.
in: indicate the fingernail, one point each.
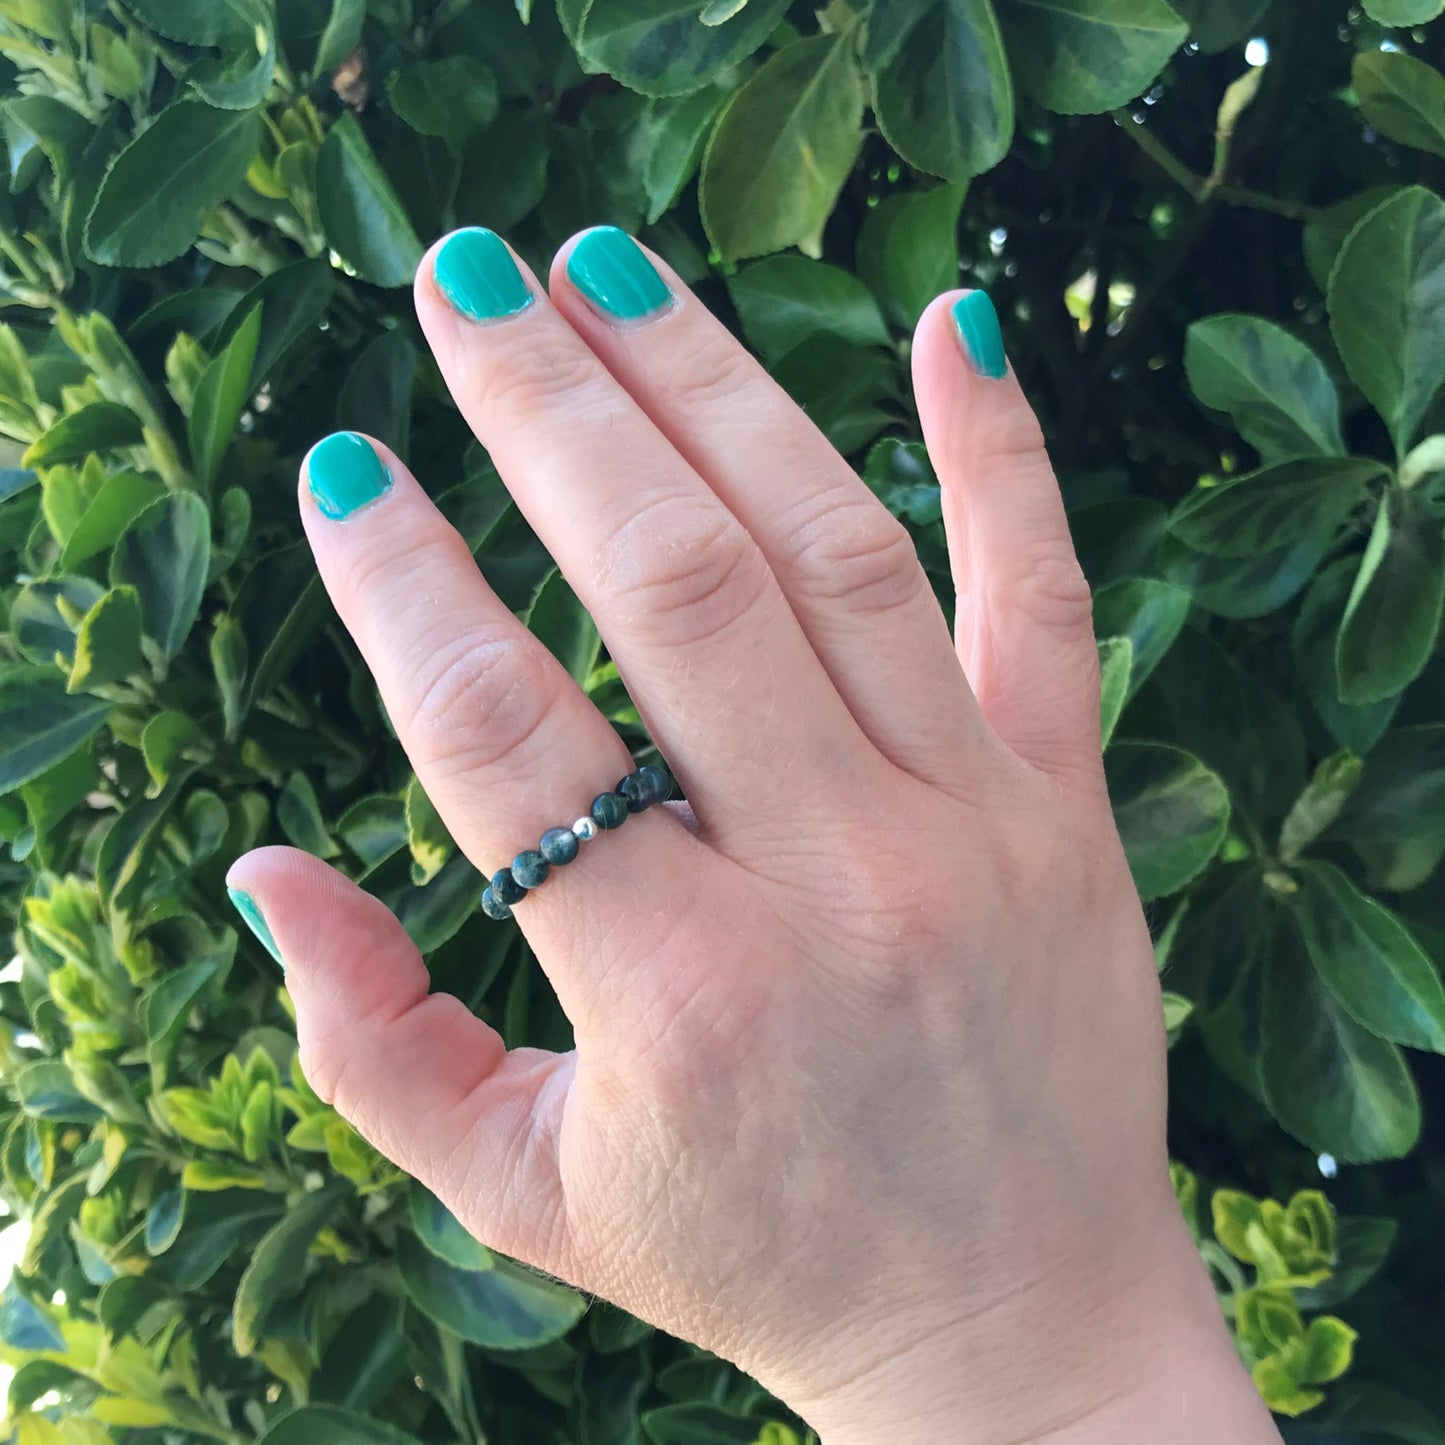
{"type": "Point", "coordinates": [246, 907]}
{"type": "Point", "coordinates": [344, 474]}
{"type": "Point", "coordinates": [476, 273]}
{"type": "Point", "coordinates": [609, 268]}
{"type": "Point", "coordinates": [978, 329]}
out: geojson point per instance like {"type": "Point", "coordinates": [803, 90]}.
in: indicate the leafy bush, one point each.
{"type": "Point", "coordinates": [1224, 287]}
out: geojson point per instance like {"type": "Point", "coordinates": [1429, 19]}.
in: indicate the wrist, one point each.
{"type": "Point", "coordinates": [1086, 1362]}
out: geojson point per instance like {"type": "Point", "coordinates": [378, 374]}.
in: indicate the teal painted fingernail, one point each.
{"type": "Point", "coordinates": [345, 474]}
{"type": "Point", "coordinates": [246, 907]}
{"type": "Point", "coordinates": [978, 329]}
{"type": "Point", "coordinates": [609, 268]}
{"type": "Point", "coordinates": [477, 275]}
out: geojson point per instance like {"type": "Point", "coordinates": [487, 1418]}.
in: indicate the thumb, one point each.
{"type": "Point", "coordinates": [420, 1077]}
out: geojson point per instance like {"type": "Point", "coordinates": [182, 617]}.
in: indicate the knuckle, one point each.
{"type": "Point", "coordinates": [528, 382]}
{"type": "Point", "coordinates": [712, 372]}
{"type": "Point", "coordinates": [482, 701]}
{"type": "Point", "coordinates": [858, 554]}
{"type": "Point", "coordinates": [684, 571]}
{"type": "Point", "coordinates": [1048, 584]}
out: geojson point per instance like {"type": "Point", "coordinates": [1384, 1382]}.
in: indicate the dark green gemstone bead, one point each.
{"type": "Point", "coordinates": [506, 889]}
{"type": "Point", "coordinates": [530, 869]}
{"type": "Point", "coordinates": [609, 810]}
{"type": "Point", "coordinates": [659, 780]}
{"type": "Point", "coordinates": [635, 789]}
{"type": "Point", "coordinates": [493, 906]}
{"type": "Point", "coordinates": [559, 845]}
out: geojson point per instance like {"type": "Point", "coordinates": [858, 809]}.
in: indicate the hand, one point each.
{"type": "Point", "coordinates": [868, 1086]}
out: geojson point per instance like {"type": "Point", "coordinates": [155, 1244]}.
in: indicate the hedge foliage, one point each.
{"type": "Point", "coordinates": [1214, 231]}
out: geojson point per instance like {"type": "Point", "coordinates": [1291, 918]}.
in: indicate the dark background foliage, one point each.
{"type": "Point", "coordinates": [1214, 235]}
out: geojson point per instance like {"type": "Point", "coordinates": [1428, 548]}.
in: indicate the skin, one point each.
{"type": "Point", "coordinates": [868, 1092]}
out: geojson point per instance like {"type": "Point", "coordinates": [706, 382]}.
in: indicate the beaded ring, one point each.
{"type": "Point", "coordinates": [558, 846]}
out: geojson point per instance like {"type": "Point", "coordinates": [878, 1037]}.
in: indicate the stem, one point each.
{"type": "Point", "coordinates": [1206, 188]}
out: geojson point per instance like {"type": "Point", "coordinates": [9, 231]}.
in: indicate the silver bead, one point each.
{"type": "Point", "coordinates": [584, 830]}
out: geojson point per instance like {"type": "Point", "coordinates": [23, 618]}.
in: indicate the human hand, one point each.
{"type": "Point", "coordinates": [868, 1086]}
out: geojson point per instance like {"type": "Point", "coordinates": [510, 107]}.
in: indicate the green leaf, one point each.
{"type": "Point", "coordinates": [165, 741]}
{"type": "Point", "coordinates": [100, 427]}
{"type": "Point", "coordinates": [439, 1229]}
{"type": "Point", "coordinates": [1278, 506]}
{"type": "Point", "coordinates": [193, 22]}
{"type": "Point", "coordinates": [1327, 230]}
{"type": "Point", "coordinates": [661, 47]}
{"type": "Point", "coordinates": [507, 1307]}
{"type": "Point", "coordinates": [1149, 613]}
{"type": "Point", "coordinates": [433, 914]}
{"type": "Point", "coordinates": [1395, 819]}
{"type": "Point", "coordinates": [14, 480]}
{"type": "Point", "coordinates": [157, 191]}
{"type": "Point", "coordinates": [1215, 25]}
{"type": "Point", "coordinates": [1329, 1347]}
{"type": "Point", "coordinates": [214, 1226]}
{"type": "Point", "coordinates": [45, 1090]}
{"type": "Point", "coordinates": [908, 250]}
{"type": "Point", "coordinates": [560, 622]}
{"type": "Point", "coordinates": [376, 395]}
{"type": "Point", "coordinates": [373, 828]}
{"type": "Point", "coordinates": [782, 149]}
{"type": "Point", "coordinates": [164, 1008]}
{"type": "Point", "coordinates": [58, 791]}
{"type": "Point", "coordinates": [362, 215]}
{"type": "Point", "coordinates": [293, 302]}
{"type": "Point", "coordinates": [609, 1390]}
{"type": "Point", "coordinates": [1080, 57]}
{"type": "Point", "coordinates": [453, 99]}
{"type": "Point", "coordinates": [164, 554]}
{"type": "Point", "coordinates": [697, 1424]}
{"type": "Point", "coordinates": [1331, 1083]}
{"type": "Point", "coordinates": [1275, 389]}
{"type": "Point", "coordinates": [1393, 614]}
{"type": "Point", "coordinates": [1171, 810]}
{"type": "Point", "coordinates": [365, 1358]}
{"type": "Point", "coordinates": [1319, 805]}
{"type": "Point", "coordinates": [1368, 959]}
{"type": "Point", "coordinates": [1315, 630]}
{"type": "Point", "coordinates": [23, 1326]}
{"type": "Point", "coordinates": [676, 132]}
{"type": "Point", "coordinates": [44, 617]}
{"type": "Point", "coordinates": [341, 36]}
{"type": "Point", "coordinates": [944, 100]}
{"type": "Point", "coordinates": [1116, 663]}
{"type": "Point", "coordinates": [1243, 586]}
{"type": "Point", "coordinates": [224, 389]}
{"type": "Point", "coordinates": [427, 836]}
{"type": "Point", "coordinates": [1362, 1246]}
{"type": "Point", "coordinates": [1403, 12]}
{"type": "Point", "coordinates": [335, 1426]}
{"type": "Point", "coordinates": [278, 1267]}
{"type": "Point", "coordinates": [785, 299]}
{"type": "Point", "coordinates": [40, 723]}
{"type": "Point", "coordinates": [1402, 98]}
{"type": "Point", "coordinates": [240, 77]}
{"type": "Point", "coordinates": [1387, 308]}
{"type": "Point", "coordinates": [164, 1219]}
{"type": "Point", "coordinates": [120, 500]}
{"type": "Point", "coordinates": [107, 647]}
{"type": "Point", "coordinates": [299, 815]}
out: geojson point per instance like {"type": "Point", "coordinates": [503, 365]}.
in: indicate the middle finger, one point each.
{"type": "Point", "coordinates": [690, 610]}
